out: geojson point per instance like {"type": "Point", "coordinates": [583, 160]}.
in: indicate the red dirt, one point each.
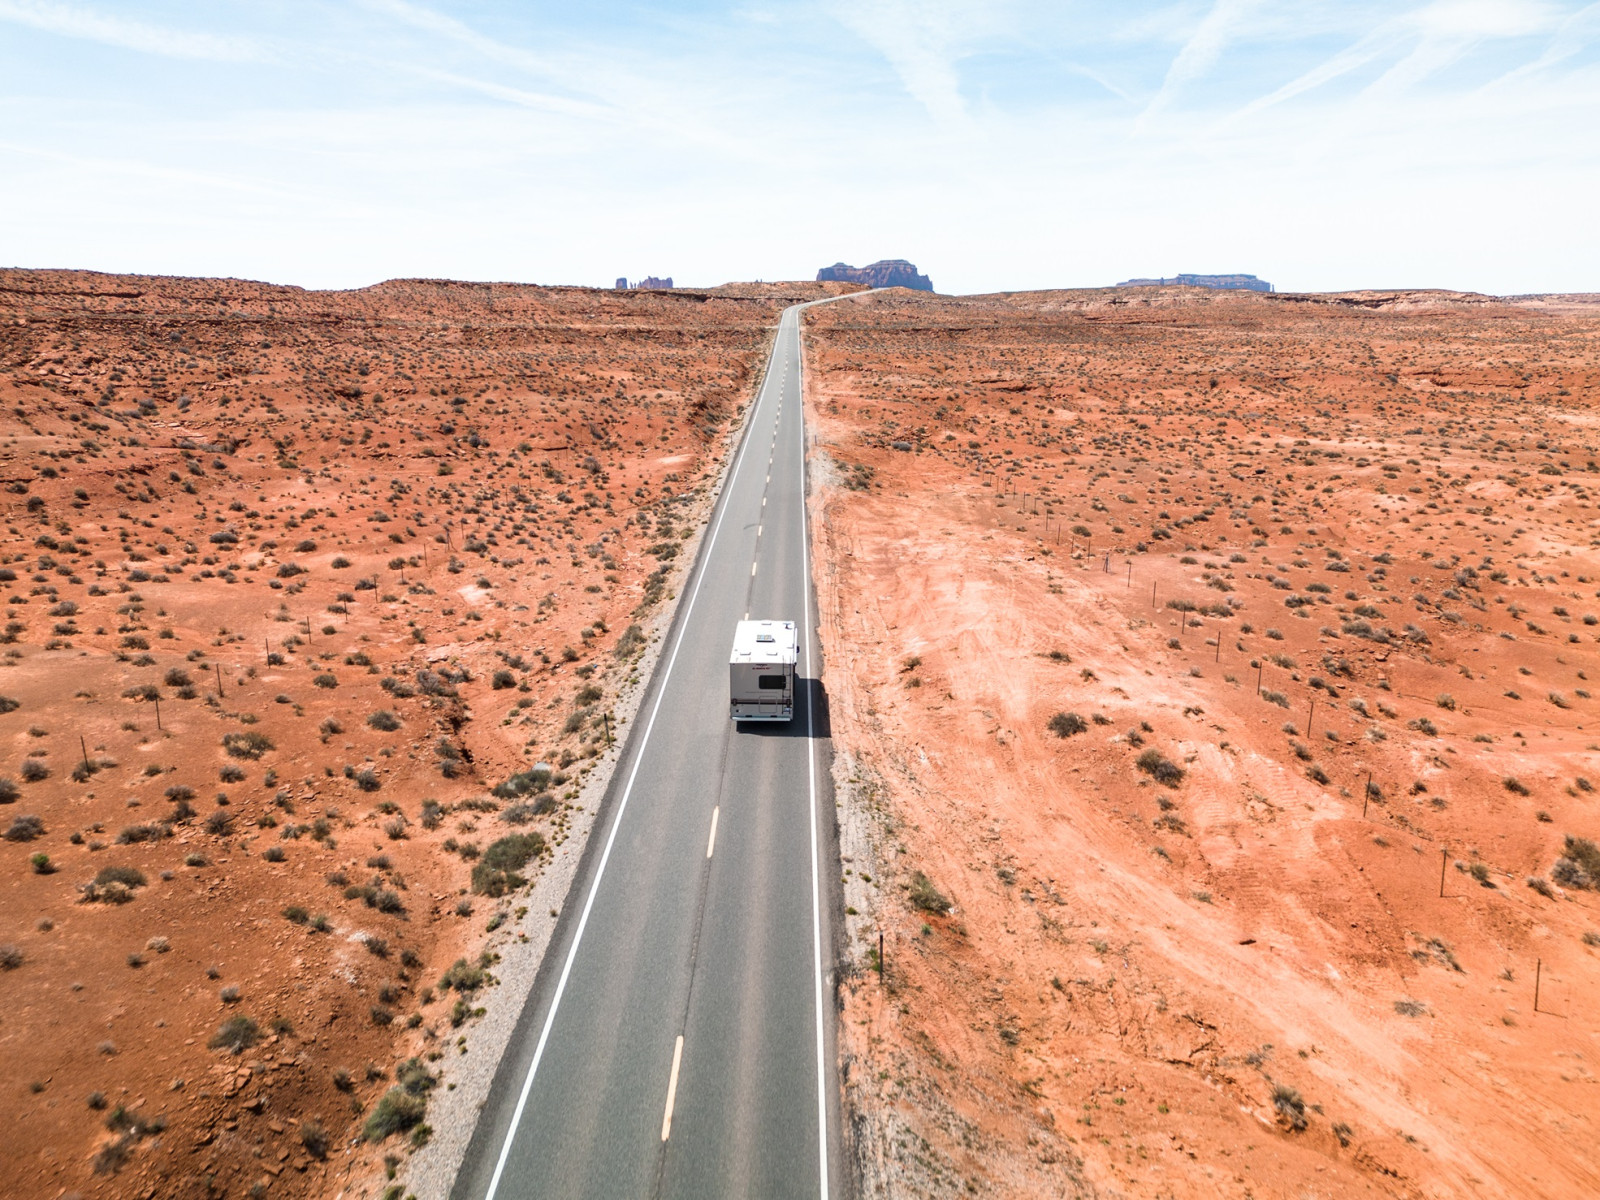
{"type": "Point", "coordinates": [282, 512]}
{"type": "Point", "coordinates": [1402, 487]}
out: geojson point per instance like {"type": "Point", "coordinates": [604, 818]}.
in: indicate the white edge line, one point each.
{"type": "Point", "coordinates": [811, 767]}
{"type": "Point", "coordinates": [622, 806]}
{"type": "Point", "coordinates": [672, 1088]}
{"type": "Point", "coordinates": [711, 842]}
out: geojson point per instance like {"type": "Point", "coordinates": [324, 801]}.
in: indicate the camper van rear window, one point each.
{"type": "Point", "coordinates": [770, 683]}
{"type": "Point", "coordinates": [765, 637]}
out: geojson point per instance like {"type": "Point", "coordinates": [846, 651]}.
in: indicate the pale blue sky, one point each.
{"type": "Point", "coordinates": [1000, 145]}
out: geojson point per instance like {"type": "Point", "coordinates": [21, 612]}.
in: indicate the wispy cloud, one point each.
{"type": "Point", "coordinates": [1427, 40]}
{"type": "Point", "coordinates": [615, 89]}
{"type": "Point", "coordinates": [1203, 49]}
{"type": "Point", "coordinates": [1571, 36]}
{"type": "Point", "coordinates": [921, 39]}
{"type": "Point", "coordinates": [76, 22]}
{"type": "Point", "coordinates": [512, 95]}
{"type": "Point", "coordinates": [429, 21]}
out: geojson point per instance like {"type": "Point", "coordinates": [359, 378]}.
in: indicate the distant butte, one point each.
{"type": "Point", "coordinates": [886, 272]}
{"type": "Point", "coordinates": [648, 284]}
{"type": "Point", "coordinates": [1236, 283]}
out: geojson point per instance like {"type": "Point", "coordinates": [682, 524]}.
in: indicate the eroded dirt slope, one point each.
{"type": "Point", "coordinates": [1126, 597]}
{"type": "Point", "coordinates": [292, 581]}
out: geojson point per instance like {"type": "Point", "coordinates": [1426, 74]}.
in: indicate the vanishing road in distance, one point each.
{"type": "Point", "coordinates": [679, 1040]}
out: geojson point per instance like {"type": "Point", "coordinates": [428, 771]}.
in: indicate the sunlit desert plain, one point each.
{"type": "Point", "coordinates": [317, 612]}
{"type": "Point", "coordinates": [1213, 682]}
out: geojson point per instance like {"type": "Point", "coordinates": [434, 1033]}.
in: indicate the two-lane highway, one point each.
{"type": "Point", "coordinates": [679, 1039]}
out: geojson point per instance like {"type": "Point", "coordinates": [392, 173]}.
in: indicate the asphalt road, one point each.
{"type": "Point", "coordinates": [679, 1038]}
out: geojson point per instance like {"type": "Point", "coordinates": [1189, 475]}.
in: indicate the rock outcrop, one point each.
{"type": "Point", "coordinates": [649, 284]}
{"type": "Point", "coordinates": [886, 272]}
{"type": "Point", "coordinates": [1236, 283]}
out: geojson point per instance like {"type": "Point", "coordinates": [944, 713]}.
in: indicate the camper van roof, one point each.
{"type": "Point", "coordinates": [765, 642]}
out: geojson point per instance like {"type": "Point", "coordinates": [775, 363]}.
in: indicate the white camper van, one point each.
{"type": "Point", "coordinates": [761, 671]}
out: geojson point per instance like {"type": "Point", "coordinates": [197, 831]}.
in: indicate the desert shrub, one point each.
{"type": "Point", "coordinates": [502, 679]}
{"type": "Point", "coordinates": [523, 783]}
{"type": "Point", "coordinates": [464, 976]}
{"type": "Point", "coordinates": [273, 854]}
{"type": "Point", "coordinates": [396, 1112]}
{"type": "Point", "coordinates": [314, 1138]}
{"type": "Point", "coordinates": [25, 829]}
{"type": "Point", "coordinates": [229, 774]}
{"type": "Point", "coordinates": [177, 677]}
{"type": "Point", "coordinates": [1277, 698]}
{"type": "Point", "coordinates": [1410, 1008]}
{"type": "Point", "coordinates": [9, 791]}
{"type": "Point", "coordinates": [219, 822]}
{"type": "Point", "coordinates": [113, 885]}
{"type": "Point", "coordinates": [630, 640]}
{"type": "Point", "coordinates": [1579, 864]}
{"type": "Point", "coordinates": [7, 704]}
{"type": "Point", "coordinates": [236, 1035]}
{"type": "Point", "coordinates": [247, 744]}
{"type": "Point", "coordinates": [326, 680]}
{"type": "Point", "coordinates": [432, 814]}
{"type": "Point", "coordinates": [10, 958]}
{"type": "Point", "coordinates": [1585, 853]}
{"type": "Point", "coordinates": [497, 872]}
{"type": "Point", "coordinates": [926, 897]}
{"type": "Point", "coordinates": [1289, 1106]}
{"type": "Point", "coordinates": [367, 779]}
{"type": "Point", "coordinates": [132, 834]}
{"type": "Point", "coordinates": [433, 683]}
{"type": "Point", "coordinates": [402, 1106]}
{"type": "Point", "coordinates": [384, 721]}
{"type": "Point", "coordinates": [1065, 724]}
{"type": "Point", "coordinates": [1514, 785]}
{"type": "Point", "coordinates": [33, 770]}
{"type": "Point", "coordinates": [1159, 767]}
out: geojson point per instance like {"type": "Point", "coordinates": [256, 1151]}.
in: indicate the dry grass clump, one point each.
{"type": "Point", "coordinates": [1579, 864]}
{"type": "Point", "coordinates": [113, 885]}
{"type": "Point", "coordinates": [1066, 724]}
{"type": "Point", "coordinates": [925, 897]}
{"type": "Point", "coordinates": [498, 871]}
{"type": "Point", "coordinates": [403, 1106]}
{"type": "Point", "coordinates": [236, 1035]}
{"type": "Point", "coordinates": [1159, 767]}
